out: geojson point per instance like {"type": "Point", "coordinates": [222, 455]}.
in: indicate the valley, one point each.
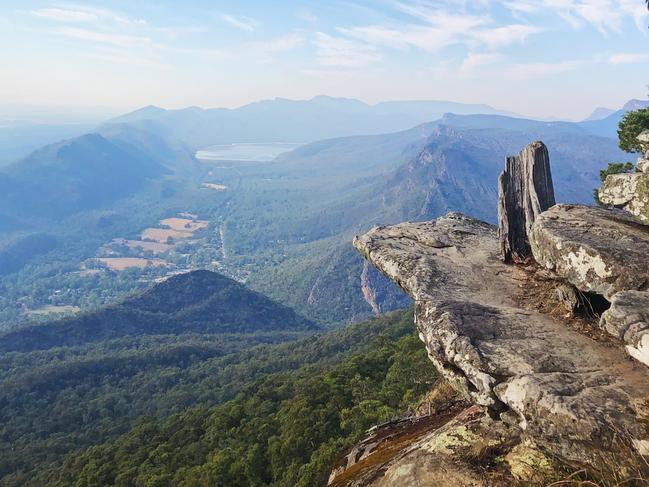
{"type": "Point", "coordinates": [250, 152]}
{"type": "Point", "coordinates": [359, 243]}
{"type": "Point", "coordinates": [282, 226]}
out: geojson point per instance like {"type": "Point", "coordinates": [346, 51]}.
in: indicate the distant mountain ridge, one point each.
{"type": "Point", "coordinates": [419, 174]}
{"type": "Point", "coordinates": [607, 126]}
{"type": "Point", "coordinates": [283, 120]}
{"type": "Point", "coordinates": [599, 113]}
{"type": "Point", "coordinates": [196, 302]}
{"type": "Point", "coordinates": [84, 173]}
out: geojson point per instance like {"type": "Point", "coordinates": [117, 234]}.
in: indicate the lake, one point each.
{"type": "Point", "coordinates": [263, 152]}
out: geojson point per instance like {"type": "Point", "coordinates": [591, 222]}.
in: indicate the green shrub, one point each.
{"type": "Point", "coordinates": [631, 125]}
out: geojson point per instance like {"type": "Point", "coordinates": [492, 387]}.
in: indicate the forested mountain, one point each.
{"type": "Point", "coordinates": [305, 401]}
{"type": "Point", "coordinates": [282, 120]}
{"type": "Point", "coordinates": [87, 172]}
{"type": "Point", "coordinates": [450, 165]}
{"type": "Point", "coordinates": [196, 302]}
{"type": "Point", "coordinates": [277, 413]}
{"type": "Point", "coordinates": [283, 226]}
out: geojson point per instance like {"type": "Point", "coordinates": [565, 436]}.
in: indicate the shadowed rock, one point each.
{"type": "Point", "coordinates": [596, 250]}
{"type": "Point", "coordinates": [524, 191]}
{"type": "Point", "coordinates": [630, 191]}
{"type": "Point", "coordinates": [571, 394]}
{"type": "Point", "coordinates": [628, 320]}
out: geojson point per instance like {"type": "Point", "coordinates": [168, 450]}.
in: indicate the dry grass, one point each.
{"type": "Point", "coordinates": [217, 187]}
{"type": "Point", "coordinates": [122, 263]}
{"type": "Point", "coordinates": [537, 293]}
{"type": "Point", "coordinates": [155, 247]}
{"type": "Point", "coordinates": [50, 308]}
{"type": "Point", "coordinates": [184, 224]}
{"type": "Point", "coordinates": [162, 235]}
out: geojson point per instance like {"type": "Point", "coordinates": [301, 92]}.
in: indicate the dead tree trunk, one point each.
{"type": "Point", "coordinates": [524, 191]}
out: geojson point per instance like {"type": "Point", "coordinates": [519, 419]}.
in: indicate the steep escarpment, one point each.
{"type": "Point", "coordinates": [561, 396]}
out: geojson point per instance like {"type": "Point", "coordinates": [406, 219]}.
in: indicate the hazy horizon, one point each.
{"type": "Point", "coordinates": [537, 58]}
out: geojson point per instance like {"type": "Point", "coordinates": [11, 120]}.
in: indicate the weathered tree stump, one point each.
{"type": "Point", "coordinates": [524, 191]}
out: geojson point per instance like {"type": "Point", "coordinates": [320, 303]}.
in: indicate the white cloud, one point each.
{"type": "Point", "coordinates": [307, 15]}
{"type": "Point", "coordinates": [442, 30]}
{"type": "Point", "coordinates": [605, 15]}
{"type": "Point", "coordinates": [434, 29]}
{"type": "Point", "coordinates": [506, 35]}
{"type": "Point", "coordinates": [109, 15]}
{"type": "Point", "coordinates": [283, 43]}
{"type": "Point", "coordinates": [475, 60]}
{"type": "Point", "coordinates": [533, 70]}
{"type": "Point", "coordinates": [245, 24]}
{"type": "Point", "coordinates": [83, 13]}
{"type": "Point", "coordinates": [121, 40]}
{"type": "Point", "coordinates": [64, 15]}
{"type": "Point", "coordinates": [628, 58]}
{"type": "Point", "coordinates": [344, 53]}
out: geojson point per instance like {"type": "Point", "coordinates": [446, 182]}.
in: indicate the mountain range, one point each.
{"type": "Point", "coordinates": [283, 120]}
{"type": "Point", "coordinates": [201, 378]}
{"type": "Point", "coordinates": [289, 221]}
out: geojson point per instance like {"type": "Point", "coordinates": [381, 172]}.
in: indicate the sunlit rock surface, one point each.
{"type": "Point", "coordinates": [570, 394]}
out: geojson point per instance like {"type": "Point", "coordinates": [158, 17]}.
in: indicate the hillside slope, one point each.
{"type": "Point", "coordinates": [450, 165]}
{"type": "Point", "coordinates": [79, 174]}
{"type": "Point", "coordinates": [62, 401]}
{"type": "Point", "coordinates": [293, 408]}
{"type": "Point", "coordinates": [196, 302]}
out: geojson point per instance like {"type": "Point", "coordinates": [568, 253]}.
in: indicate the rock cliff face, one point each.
{"type": "Point", "coordinates": [542, 389]}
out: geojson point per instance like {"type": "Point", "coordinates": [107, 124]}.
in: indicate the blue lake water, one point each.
{"type": "Point", "coordinates": [245, 152]}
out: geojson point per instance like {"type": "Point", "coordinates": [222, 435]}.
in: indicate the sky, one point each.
{"type": "Point", "coordinates": [540, 58]}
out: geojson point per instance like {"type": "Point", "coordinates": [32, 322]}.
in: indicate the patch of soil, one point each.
{"type": "Point", "coordinates": [537, 292]}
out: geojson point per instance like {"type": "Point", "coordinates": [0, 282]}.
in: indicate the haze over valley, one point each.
{"type": "Point", "coordinates": [353, 243]}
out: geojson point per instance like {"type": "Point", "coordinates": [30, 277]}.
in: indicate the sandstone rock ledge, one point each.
{"type": "Point", "coordinates": [575, 398]}
{"type": "Point", "coordinates": [597, 250]}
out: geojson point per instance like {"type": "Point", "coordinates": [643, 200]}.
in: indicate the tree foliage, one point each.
{"type": "Point", "coordinates": [631, 125]}
{"type": "Point", "coordinates": [203, 409]}
{"type": "Point", "coordinates": [285, 429]}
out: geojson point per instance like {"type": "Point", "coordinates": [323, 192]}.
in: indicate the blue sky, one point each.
{"type": "Point", "coordinates": [556, 58]}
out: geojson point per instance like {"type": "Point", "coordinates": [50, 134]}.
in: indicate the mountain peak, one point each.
{"type": "Point", "coordinates": [599, 113]}
{"type": "Point", "coordinates": [635, 104]}
{"type": "Point", "coordinates": [195, 302]}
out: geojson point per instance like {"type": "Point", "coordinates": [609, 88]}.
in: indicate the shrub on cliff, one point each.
{"type": "Point", "coordinates": [631, 125]}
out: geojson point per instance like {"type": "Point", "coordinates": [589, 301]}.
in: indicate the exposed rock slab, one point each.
{"type": "Point", "coordinates": [596, 250]}
{"type": "Point", "coordinates": [525, 190]}
{"type": "Point", "coordinates": [444, 454]}
{"type": "Point", "coordinates": [628, 320]}
{"type": "Point", "coordinates": [569, 393]}
{"type": "Point", "coordinates": [628, 191]}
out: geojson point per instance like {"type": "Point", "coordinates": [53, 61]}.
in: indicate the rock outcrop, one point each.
{"type": "Point", "coordinates": [628, 320]}
{"type": "Point", "coordinates": [541, 389]}
{"type": "Point", "coordinates": [525, 190]}
{"type": "Point", "coordinates": [596, 250]}
{"type": "Point", "coordinates": [445, 455]}
{"type": "Point", "coordinates": [502, 356]}
{"type": "Point", "coordinates": [630, 191]}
